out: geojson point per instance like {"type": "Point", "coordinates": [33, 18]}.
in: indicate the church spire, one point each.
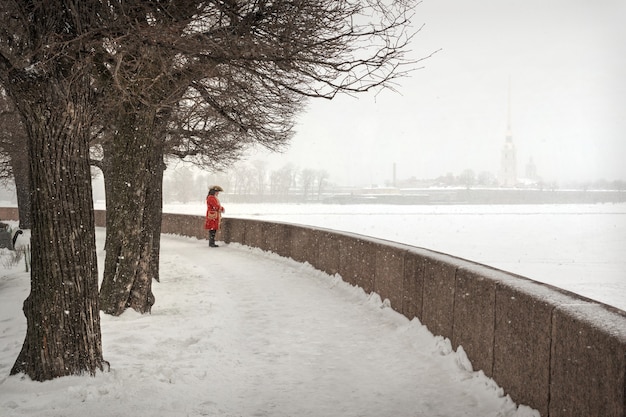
{"type": "Point", "coordinates": [509, 130]}
{"type": "Point", "coordinates": [508, 167]}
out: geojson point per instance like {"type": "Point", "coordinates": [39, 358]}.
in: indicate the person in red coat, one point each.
{"type": "Point", "coordinates": [214, 212]}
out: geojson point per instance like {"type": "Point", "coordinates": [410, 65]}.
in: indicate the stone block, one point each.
{"type": "Point", "coordinates": [588, 363]}
{"type": "Point", "coordinates": [413, 284]}
{"type": "Point", "coordinates": [389, 274]}
{"type": "Point", "coordinates": [278, 238]}
{"type": "Point", "coordinates": [357, 261]}
{"type": "Point", "coordinates": [328, 252]}
{"type": "Point", "coordinates": [305, 244]}
{"type": "Point", "coordinates": [9, 213]}
{"type": "Point", "coordinates": [185, 225]}
{"type": "Point", "coordinates": [439, 280]}
{"type": "Point", "coordinates": [474, 315]}
{"type": "Point", "coordinates": [100, 218]}
{"type": "Point", "coordinates": [233, 231]}
{"type": "Point", "coordinates": [255, 235]}
{"type": "Point", "coordinates": [522, 340]}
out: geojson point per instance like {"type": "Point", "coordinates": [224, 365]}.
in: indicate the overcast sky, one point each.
{"type": "Point", "coordinates": [566, 62]}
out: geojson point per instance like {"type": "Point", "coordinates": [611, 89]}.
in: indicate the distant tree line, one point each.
{"type": "Point", "coordinates": [246, 180]}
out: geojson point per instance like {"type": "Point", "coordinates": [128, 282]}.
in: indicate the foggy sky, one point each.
{"type": "Point", "coordinates": [565, 61]}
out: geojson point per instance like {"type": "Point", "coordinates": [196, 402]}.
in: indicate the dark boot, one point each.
{"type": "Point", "coordinates": [212, 238]}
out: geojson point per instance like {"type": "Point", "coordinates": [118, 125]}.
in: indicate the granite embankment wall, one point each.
{"type": "Point", "coordinates": [555, 351]}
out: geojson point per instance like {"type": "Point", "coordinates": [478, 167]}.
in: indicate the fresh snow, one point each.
{"type": "Point", "coordinates": [240, 332]}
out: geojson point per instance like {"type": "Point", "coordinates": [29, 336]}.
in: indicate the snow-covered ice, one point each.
{"type": "Point", "coordinates": [240, 332]}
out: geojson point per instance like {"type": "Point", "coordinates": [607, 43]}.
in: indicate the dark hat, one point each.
{"type": "Point", "coordinates": [216, 188]}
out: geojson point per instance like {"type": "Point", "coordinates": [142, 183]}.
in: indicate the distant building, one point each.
{"type": "Point", "coordinates": [531, 170]}
{"type": "Point", "coordinates": [508, 163]}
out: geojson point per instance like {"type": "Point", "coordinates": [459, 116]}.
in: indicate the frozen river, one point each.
{"type": "Point", "coordinates": [577, 247]}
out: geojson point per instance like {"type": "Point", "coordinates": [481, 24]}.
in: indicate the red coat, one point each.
{"type": "Point", "coordinates": [214, 212]}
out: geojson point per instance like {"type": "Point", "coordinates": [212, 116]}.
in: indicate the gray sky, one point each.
{"type": "Point", "coordinates": [566, 62]}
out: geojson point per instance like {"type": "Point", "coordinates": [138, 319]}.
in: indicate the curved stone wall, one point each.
{"type": "Point", "coordinates": [555, 351]}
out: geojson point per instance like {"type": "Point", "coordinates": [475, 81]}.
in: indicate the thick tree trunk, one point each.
{"type": "Point", "coordinates": [154, 207]}
{"type": "Point", "coordinates": [141, 297]}
{"type": "Point", "coordinates": [129, 169]}
{"type": "Point", "coordinates": [63, 334]}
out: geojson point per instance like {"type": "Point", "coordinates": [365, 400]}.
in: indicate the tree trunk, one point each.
{"type": "Point", "coordinates": [19, 166]}
{"type": "Point", "coordinates": [128, 168]}
{"type": "Point", "coordinates": [141, 297]}
{"type": "Point", "coordinates": [154, 207]}
{"type": "Point", "coordinates": [63, 334]}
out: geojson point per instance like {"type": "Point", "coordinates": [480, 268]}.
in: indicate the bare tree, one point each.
{"type": "Point", "coordinates": [45, 66]}
{"type": "Point", "coordinates": [487, 178]}
{"type": "Point", "coordinates": [212, 78]}
{"type": "Point", "coordinates": [129, 67]}
{"type": "Point", "coordinates": [321, 177]}
{"type": "Point", "coordinates": [307, 179]}
{"type": "Point", "coordinates": [467, 178]}
{"type": "Point", "coordinates": [260, 172]}
{"type": "Point", "coordinates": [282, 180]}
{"type": "Point", "coordinates": [180, 180]}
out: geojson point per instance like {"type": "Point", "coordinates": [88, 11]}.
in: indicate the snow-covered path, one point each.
{"type": "Point", "coordinates": [239, 332]}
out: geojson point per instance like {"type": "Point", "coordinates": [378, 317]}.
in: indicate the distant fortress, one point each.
{"type": "Point", "coordinates": [475, 196]}
{"type": "Point", "coordinates": [510, 189]}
